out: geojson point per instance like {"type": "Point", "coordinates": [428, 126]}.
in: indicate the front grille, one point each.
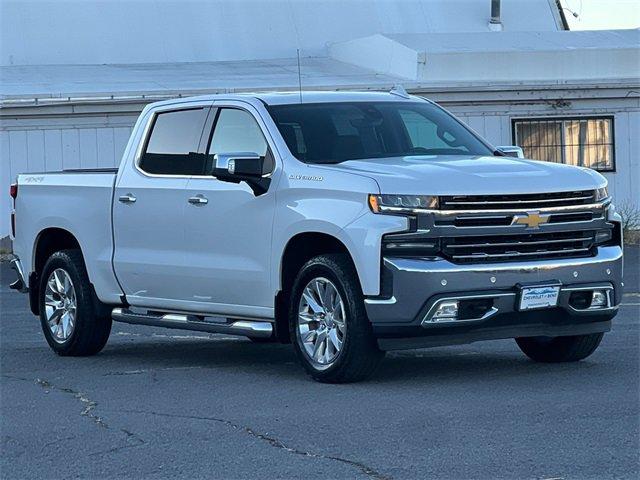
{"type": "Point", "coordinates": [517, 202]}
{"type": "Point", "coordinates": [513, 248]}
{"type": "Point", "coordinates": [504, 220]}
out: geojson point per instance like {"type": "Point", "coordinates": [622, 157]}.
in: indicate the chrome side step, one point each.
{"type": "Point", "coordinates": [247, 328]}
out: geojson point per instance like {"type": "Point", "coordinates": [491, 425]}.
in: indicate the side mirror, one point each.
{"type": "Point", "coordinates": [242, 167]}
{"type": "Point", "coordinates": [511, 151]}
{"type": "Point", "coordinates": [238, 165]}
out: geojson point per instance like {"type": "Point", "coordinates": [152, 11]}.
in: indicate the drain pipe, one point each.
{"type": "Point", "coordinates": [495, 24]}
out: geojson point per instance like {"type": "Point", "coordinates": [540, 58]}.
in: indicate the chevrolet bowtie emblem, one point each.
{"type": "Point", "coordinates": [530, 219]}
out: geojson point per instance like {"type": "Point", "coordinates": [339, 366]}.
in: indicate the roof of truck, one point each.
{"type": "Point", "coordinates": [293, 97]}
{"type": "Point", "coordinates": [283, 98]}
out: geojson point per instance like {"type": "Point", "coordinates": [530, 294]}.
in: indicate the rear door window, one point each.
{"type": "Point", "coordinates": [172, 148]}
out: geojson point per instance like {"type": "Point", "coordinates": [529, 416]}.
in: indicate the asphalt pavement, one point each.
{"type": "Point", "coordinates": [162, 403]}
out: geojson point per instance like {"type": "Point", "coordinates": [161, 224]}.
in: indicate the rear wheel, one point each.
{"type": "Point", "coordinates": [328, 324]}
{"type": "Point", "coordinates": [559, 349]}
{"type": "Point", "coordinates": [67, 314]}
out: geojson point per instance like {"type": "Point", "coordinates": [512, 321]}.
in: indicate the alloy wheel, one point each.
{"type": "Point", "coordinates": [60, 305]}
{"type": "Point", "coordinates": [322, 327]}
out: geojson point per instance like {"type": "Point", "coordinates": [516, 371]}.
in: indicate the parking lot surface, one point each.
{"type": "Point", "coordinates": [170, 404]}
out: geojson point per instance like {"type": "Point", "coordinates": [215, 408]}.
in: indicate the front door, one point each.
{"type": "Point", "coordinates": [228, 232]}
{"type": "Point", "coordinates": [149, 206]}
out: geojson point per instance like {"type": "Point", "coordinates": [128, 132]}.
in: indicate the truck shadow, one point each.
{"type": "Point", "coordinates": [239, 356]}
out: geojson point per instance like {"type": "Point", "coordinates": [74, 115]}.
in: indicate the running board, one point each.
{"type": "Point", "coordinates": [246, 328]}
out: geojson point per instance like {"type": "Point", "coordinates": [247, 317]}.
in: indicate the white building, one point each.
{"type": "Point", "coordinates": [74, 76]}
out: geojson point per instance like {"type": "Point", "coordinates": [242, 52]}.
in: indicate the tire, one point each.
{"type": "Point", "coordinates": [347, 324]}
{"type": "Point", "coordinates": [89, 333]}
{"type": "Point", "coordinates": [559, 349]}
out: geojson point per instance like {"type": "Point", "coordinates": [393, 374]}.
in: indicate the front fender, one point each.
{"type": "Point", "coordinates": [335, 204]}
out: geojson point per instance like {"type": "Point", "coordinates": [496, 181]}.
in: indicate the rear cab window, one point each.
{"type": "Point", "coordinates": [172, 145]}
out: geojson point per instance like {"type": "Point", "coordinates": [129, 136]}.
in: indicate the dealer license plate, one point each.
{"type": "Point", "coordinates": [532, 298]}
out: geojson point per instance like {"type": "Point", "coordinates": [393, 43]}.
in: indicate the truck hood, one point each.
{"type": "Point", "coordinates": [456, 175]}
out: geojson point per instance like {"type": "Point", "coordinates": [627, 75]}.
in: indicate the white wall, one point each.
{"type": "Point", "coordinates": [492, 57]}
{"type": "Point", "coordinates": [160, 31]}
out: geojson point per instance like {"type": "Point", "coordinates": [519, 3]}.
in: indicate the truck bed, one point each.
{"type": "Point", "coordinates": [77, 201]}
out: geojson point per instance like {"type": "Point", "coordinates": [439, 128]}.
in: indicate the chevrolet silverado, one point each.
{"type": "Point", "coordinates": [346, 224]}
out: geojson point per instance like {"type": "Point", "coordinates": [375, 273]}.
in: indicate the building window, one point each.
{"type": "Point", "coordinates": [581, 141]}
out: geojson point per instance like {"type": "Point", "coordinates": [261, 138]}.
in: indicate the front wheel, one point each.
{"type": "Point", "coordinates": [328, 324]}
{"type": "Point", "coordinates": [559, 349]}
{"type": "Point", "coordinates": [67, 313]}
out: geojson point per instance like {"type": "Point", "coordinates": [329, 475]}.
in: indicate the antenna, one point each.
{"type": "Point", "coordinates": [299, 75]}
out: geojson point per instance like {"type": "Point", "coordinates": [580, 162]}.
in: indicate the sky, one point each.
{"type": "Point", "coordinates": [602, 14]}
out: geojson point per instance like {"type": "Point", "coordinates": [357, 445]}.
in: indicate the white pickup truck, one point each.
{"type": "Point", "coordinates": [348, 224]}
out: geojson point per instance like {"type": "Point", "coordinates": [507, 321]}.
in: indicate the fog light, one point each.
{"type": "Point", "coordinates": [446, 311]}
{"type": "Point", "coordinates": [598, 299]}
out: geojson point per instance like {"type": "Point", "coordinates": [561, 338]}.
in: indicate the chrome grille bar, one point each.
{"type": "Point", "coordinates": [519, 202]}
{"type": "Point", "coordinates": [478, 202]}
{"type": "Point", "coordinates": [496, 247]}
{"type": "Point", "coordinates": [519, 209]}
{"type": "Point", "coordinates": [480, 256]}
{"type": "Point", "coordinates": [520, 243]}
{"type": "Point", "coordinates": [505, 220]}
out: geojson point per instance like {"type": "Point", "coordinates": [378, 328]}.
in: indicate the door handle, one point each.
{"type": "Point", "coordinates": [198, 200]}
{"type": "Point", "coordinates": [128, 198]}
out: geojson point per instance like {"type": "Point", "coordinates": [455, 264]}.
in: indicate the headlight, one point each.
{"type": "Point", "coordinates": [602, 194]}
{"type": "Point", "coordinates": [402, 204]}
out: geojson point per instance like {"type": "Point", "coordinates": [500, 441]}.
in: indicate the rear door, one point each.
{"type": "Point", "coordinates": [149, 206]}
{"type": "Point", "coordinates": [228, 235]}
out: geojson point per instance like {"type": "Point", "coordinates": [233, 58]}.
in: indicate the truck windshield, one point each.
{"type": "Point", "coordinates": [337, 132]}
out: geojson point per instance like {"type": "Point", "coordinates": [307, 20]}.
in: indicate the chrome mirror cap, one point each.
{"type": "Point", "coordinates": [227, 161]}
{"type": "Point", "coordinates": [511, 151]}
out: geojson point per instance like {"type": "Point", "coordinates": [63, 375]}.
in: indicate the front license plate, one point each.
{"type": "Point", "coordinates": [532, 298]}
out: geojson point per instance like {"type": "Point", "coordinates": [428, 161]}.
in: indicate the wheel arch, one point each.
{"type": "Point", "coordinates": [303, 246]}
{"type": "Point", "coordinates": [299, 249]}
{"type": "Point", "coordinates": [47, 242]}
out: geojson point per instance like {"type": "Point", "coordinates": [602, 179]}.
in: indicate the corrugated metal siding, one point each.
{"type": "Point", "coordinates": [5, 181]}
{"type": "Point", "coordinates": [625, 181]}
{"type": "Point", "coordinates": [63, 148]}
{"type": "Point", "coordinates": [48, 144]}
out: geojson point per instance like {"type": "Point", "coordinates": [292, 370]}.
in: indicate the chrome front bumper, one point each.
{"type": "Point", "coordinates": [417, 285]}
{"type": "Point", "coordinates": [21, 284]}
